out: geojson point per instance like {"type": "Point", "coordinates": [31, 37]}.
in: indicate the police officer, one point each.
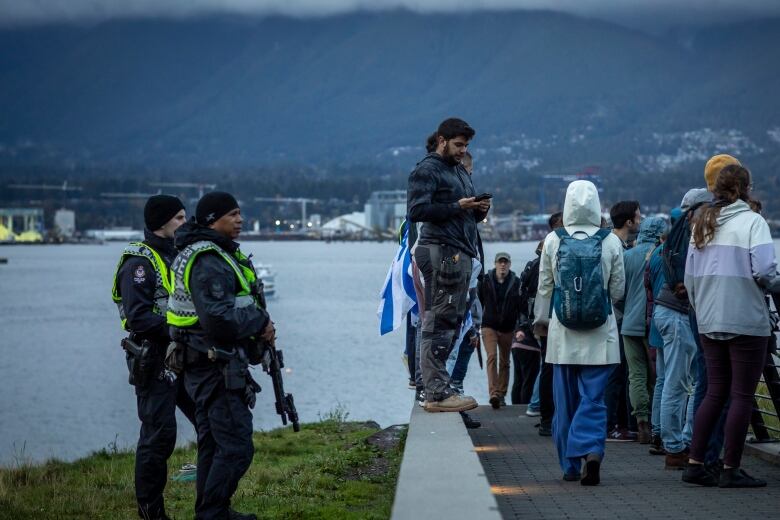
{"type": "Point", "coordinates": [141, 289]}
{"type": "Point", "coordinates": [215, 312]}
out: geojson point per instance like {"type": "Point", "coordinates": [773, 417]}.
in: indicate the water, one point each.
{"type": "Point", "coordinates": [63, 378]}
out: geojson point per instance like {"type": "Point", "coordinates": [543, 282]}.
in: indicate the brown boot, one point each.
{"type": "Point", "coordinates": [676, 460]}
{"type": "Point", "coordinates": [644, 434]}
{"type": "Point", "coordinates": [454, 403]}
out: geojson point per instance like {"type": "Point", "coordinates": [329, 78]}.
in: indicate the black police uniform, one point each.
{"type": "Point", "coordinates": [157, 401]}
{"type": "Point", "coordinates": [223, 417]}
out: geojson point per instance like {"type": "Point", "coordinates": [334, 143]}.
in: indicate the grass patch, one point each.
{"type": "Point", "coordinates": [768, 409]}
{"type": "Point", "coordinates": [327, 470]}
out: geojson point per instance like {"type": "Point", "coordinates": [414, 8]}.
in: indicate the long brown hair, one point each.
{"type": "Point", "coordinates": [732, 184]}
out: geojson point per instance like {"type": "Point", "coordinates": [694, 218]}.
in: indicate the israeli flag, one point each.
{"type": "Point", "coordinates": [397, 295]}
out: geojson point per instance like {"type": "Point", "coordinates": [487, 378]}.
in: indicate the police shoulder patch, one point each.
{"type": "Point", "coordinates": [139, 274]}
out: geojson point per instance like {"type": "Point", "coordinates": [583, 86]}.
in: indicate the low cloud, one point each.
{"type": "Point", "coordinates": [38, 11]}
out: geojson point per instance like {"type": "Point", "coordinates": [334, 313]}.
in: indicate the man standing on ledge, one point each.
{"type": "Point", "coordinates": [216, 311]}
{"type": "Point", "coordinates": [442, 197]}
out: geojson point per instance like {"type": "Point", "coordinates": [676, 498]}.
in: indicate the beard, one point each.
{"type": "Point", "coordinates": [449, 158]}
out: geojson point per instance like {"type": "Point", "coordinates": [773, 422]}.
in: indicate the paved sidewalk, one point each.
{"type": "Point", "coordinates": [523, 471]}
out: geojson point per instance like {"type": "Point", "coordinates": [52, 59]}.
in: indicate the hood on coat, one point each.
{"type": "Point", "coordinates": [582, 206]}
{"type": "Point", "coordinates": [650, 230]}
{"type": "Point", "coordinates": [732, 210]}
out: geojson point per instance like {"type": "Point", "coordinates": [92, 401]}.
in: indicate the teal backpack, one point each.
{"type": "Point", "coordinates": [580, 300]}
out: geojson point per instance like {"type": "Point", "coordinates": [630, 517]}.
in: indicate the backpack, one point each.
{"type": "Point", "coordinates": [580, 300]}
{"type": "Point", "coordinates": [529, 279]}
{"type": "Point", "coordinates": [675, 250]}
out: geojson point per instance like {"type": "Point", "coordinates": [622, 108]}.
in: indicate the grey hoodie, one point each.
{"type": "Point", "coordinates": [722, 278]}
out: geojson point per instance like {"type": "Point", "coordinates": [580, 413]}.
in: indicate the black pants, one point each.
{"type": "Point", "coordinates": [157, 411]}
{"type": "Point", "coordinates": [411, 345]}
{"type": "Point", "coordinates": [225, 448]}
{"type": "Point", "coordinates": [525, 367]}
{"type": "Point", "coordinates": [546, 403]}
{"type": "Point", "coordinates": [616, 395]}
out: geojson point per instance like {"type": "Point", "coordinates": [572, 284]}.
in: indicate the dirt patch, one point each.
{"type": "Point", "coordinates": [387, 439]}
{"type": "Point", "coordinates": [384, 441]}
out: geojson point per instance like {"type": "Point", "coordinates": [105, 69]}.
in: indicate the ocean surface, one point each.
{"type": "Point", "coordinates": [63, 378]}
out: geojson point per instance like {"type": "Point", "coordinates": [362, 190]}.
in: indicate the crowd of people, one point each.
{"type": "Point", "coordinates": [652, 330]}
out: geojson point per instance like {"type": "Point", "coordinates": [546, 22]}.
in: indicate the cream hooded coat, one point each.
{"type": "Point", "coordinates": [581, 212]}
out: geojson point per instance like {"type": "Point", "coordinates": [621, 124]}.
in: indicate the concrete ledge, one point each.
{"type": "Point", "coordinates": [441, 476]}
{"type": "Point", "coordinates": [767, 451]}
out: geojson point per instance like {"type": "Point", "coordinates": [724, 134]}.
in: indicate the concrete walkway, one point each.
{"type": "Point", "coordinates": [523, 471]}
{"type": "Point", "coordinates": [441, 475]}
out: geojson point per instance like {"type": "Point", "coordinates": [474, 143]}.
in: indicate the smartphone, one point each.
{"type": "Point", "coordinates": [484, 196]}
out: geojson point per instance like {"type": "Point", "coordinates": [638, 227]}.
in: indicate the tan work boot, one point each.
{"type": "Point", "coordinates": [644, 434]}
{"type": "Point", "coordinates": [454, 403]}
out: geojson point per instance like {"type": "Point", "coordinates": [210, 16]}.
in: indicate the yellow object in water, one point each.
{"type": "Point", "coordinates": [29, 236]}
{"type": "Point", "coordinates": [5, 235]}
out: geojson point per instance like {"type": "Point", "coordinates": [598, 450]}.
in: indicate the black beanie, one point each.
{"type": "Point", "coordinates": [213, 206]}
{"type": "Point", "coordinates": [159, 210]}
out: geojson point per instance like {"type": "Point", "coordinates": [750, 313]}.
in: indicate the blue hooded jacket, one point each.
{"type": "Point", "coordinates": [635, 260]}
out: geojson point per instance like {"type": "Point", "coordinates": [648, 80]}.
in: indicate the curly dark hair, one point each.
{"type": "Point", "coordinates": [731, 185]}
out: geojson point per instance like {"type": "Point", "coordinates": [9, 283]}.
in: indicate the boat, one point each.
{"type": "Point", "coordinates": [267, 275]}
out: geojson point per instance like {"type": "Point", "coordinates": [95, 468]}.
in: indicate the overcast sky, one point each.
{"type": "Point", "coordinates": [24, 11]}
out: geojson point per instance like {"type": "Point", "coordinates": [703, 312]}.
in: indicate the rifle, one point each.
{"type": "Point", "coordinates": [272, 360]}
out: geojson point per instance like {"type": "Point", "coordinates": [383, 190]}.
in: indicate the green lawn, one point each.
{"type": "Point", "coordinates": [327, 470]}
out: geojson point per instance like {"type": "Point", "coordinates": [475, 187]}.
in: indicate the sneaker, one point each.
{"type": "Point", "coordinates": [676, 460]}
{"type": "Point", "coordinates": [457, 386]}
{"type": "Point", "coordinates": [419, 396]}
{"type": "Point", "coordinates": [412, 385]}
{"type": "Point", "coordinates": [620, 435]}
{"type": "Point", "coordinates": [469, 422]}
{"type": "Point", "coordinates": [454, 403]}
{"type": "Point", "coordinates": [502, 402]}
{"type": "Point", "coordinates": [571, 477]}
{"type": "Point", "coordinates": [697, 474]}
{"type": "Point", "coordinates": [545, 430]}
{"type": "Point", "coordinates": [235, 515]}
{"type": "Point", "coordinates": [714, 468]}
{"type": "Point", "coordinates": [737, 478]}
{"type": "Point", "coordinates": [531, 412]}
{"type": "Point", "coordinates": [656, 446]}
{"type": "Point", "coordinates": [591, 470]}
{"type": "Point", "coordinates": [495, 402]}
{"type": "Point", "coordinates": [643, 434]}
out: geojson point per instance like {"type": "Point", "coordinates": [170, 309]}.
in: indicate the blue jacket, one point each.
{"type": "Point", "coordinates": [657, 280]}
{"type": "Point", "coordinates": [635, 260]}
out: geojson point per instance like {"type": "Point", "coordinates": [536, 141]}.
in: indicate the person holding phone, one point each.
{"type": "Point", "coordinates": [441, 196]}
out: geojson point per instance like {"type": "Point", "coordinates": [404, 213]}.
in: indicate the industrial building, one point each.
{"type": "Point", "coordinates": [385, 210]}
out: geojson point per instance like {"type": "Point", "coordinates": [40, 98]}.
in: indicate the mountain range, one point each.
{"type": "Point", "coordinates": [545, 91]}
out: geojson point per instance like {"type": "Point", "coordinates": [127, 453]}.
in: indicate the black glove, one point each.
{"type": "Point", "coordinates": [250, 398]}
{"type": "Point", "coordinates": [250, 392]}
